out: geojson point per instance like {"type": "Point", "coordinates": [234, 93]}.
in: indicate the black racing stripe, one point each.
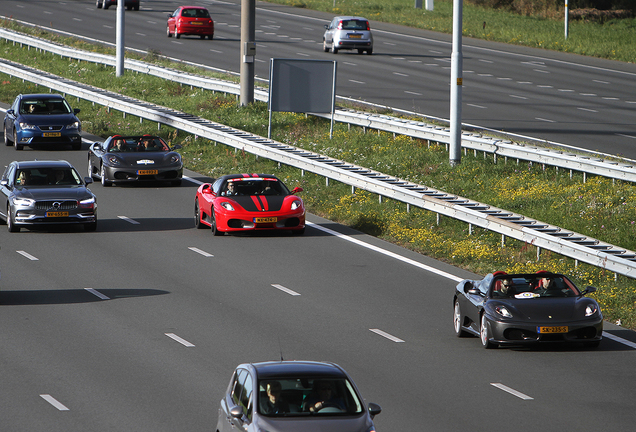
{"type": "Point", "coordinates": [274, 202]}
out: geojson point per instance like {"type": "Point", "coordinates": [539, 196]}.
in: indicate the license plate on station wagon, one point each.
{"type": "Point", "coordinates": [147, 172]}
{"type": "Point", "coordinates": [56, 214]}
{"type": "Point", "coordinates": [51, 134]}
{"type": "Point", "coordinates": [265, 219]}
{"type": "Point", "coordinates": [558, 329]}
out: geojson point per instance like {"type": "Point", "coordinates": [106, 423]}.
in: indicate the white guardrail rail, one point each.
{"type": "Point", "coordinates": [508, 224]}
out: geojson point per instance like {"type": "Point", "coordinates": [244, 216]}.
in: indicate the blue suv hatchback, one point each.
{"type": "Point", "coordinates": [35, 119]}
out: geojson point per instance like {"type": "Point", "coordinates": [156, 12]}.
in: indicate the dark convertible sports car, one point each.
{"type": "Point", "coordinates": [526, 308]}
{"type": "Point", "coordinates": [248, 202]}
{"type": "Point", "coordinates": [129, 159]}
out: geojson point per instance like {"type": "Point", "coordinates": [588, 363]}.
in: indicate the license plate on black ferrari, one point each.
{"type": "Point", "coordinates": [56, 214]}
{"type": "Point", "coordinates": [265, 219]}
{"type": "Point", "coordinates": [51, 134]}
{"type": "Point", "coordinates": [147, 172]}
{"type": "Point", "coordinates": [558, 329]}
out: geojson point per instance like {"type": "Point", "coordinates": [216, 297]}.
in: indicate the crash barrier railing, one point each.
{"type": "Point", "coordinates": [508, 224]}
{"type": "Point", "coordinates": [587, 164]}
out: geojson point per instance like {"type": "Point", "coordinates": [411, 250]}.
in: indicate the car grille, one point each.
{"type": "Point", "coordinates": [49, 205]}
{"type": "Point", "coordinates": [51, 128]}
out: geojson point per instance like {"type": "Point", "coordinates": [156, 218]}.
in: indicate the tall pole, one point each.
{"type": "Point", "coordinates": [248, 50]}
{"type": "Point", "coordinates": [455, 153]}
{"type": "Point", "coordinates": [567, 19]}
{"type": "Point", "coordinates": [119, 57]}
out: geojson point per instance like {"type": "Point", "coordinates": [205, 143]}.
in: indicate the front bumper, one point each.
{"type": "Point", "coordinates": [515, 332]}
{"type": "Point", "coordinates": [36, 137]}
{"type": "Point", "coordinates": [245, 222]}
{"type": "Point", "coordinates": [32, 217]}
{"type": "Point", "coordinates": [131, 175]}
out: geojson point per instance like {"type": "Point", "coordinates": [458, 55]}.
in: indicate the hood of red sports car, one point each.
{"type": "Point", "coordinates": [259, 203]}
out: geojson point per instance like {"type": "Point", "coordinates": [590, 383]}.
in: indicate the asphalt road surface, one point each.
{"type": "Point", "coordinates": [565, 98]}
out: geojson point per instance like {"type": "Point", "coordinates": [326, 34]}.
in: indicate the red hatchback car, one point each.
{"type": "Point", "coordinates": [248, 202]}
{"type": "Point", "coordinates": [190, 20]}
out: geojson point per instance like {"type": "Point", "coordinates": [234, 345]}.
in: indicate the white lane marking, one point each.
{"type": "Point", "coordinates": [619, 339]}
{"type": "Point", "coordinates": [565, 90]}
{"type": "Point", "coordinates": [357, 82]}
{"type": "Point", "coordinates": [27, 255]}
{"type": "Point", "coordinates": [386, 252]}
{"type": "Point", "coordinates": [626, 136]}
{"type": "Point", "coordinates": [505, 79]}
{"type": "Point", "coordinates": [413, 93]}
{"type": "Point", "coordinates": [386, 335]}
{"type": "Point", "coordinates": [178, 339]}
{"type": "Point", "coordinates": [545, 120]}
{"type": "Point", "coordinates": [486, 61]}
{"type": "Point", "coordinates": [50, 399]}
{"type": "Point", "coordinates": [511, 391]}
{"type": "Point", "coordinates": [518, 97]}
{"type": "Point", "coordinates": [524, 82]}
{"type": "Point", "coordinates": [476, 106]}
{"type": "Point", "coordinates": [287, 290]}
{"type": "Point", "coordinates": [303, 54]}
{"type": "Point", "coordinates": [544, 86]}
{"type": "Point", "coordinates": [539, 70]}
{"type": "Point", "coordinates": [97, 293]}
{"type": "Point", "coordinates": [485, 74]}
{"type": "Point", "coordinates": [400, 74]}
{"type": "Point", "coordinates": [610, 98]}
{"type": "Point", "coordinates": [129, 220]}
{"type": "Point", "coordinates": [587, 94]}
{"type": "Point", "coordinates": [601, 82]}
{"type": "Point", "coordinates": [199, 251]}
{"type": "Point", "coordinates": [587, 109]}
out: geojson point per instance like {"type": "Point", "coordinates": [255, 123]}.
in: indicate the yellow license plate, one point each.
{"type": "Point", "coordinates": [51, 134]}
{"type": "Point", "coordinates": [560, 329]}
{"type": "Point", "coordinates": [56, 214]}
{"type": "Point", "coordinates": [196, 23]}
{"type": "Point", "coordinates": [147, 172]}
{"type": "Point", "coordinates": [355, 36]}
{"type": "Point", "coordinates": [265, 219]}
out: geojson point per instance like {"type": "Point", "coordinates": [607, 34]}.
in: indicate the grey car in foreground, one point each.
{"type": "Point", "coordinates": [290, 396]}
{"type": "Point", "coordinates": [348, 33]}
{"type": "Point", "coordinates": [40, 193]}
{"type": "Point", "coordinates": [514, 309]}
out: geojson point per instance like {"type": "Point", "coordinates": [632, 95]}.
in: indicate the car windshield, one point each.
{"type": "Point", "coordinates": [137, 144]}
{"type": "Point", "coordinates": [45, 106]}
{"type": "Point", "coordinates": [532, 286]}
{"type": "Point", "coordinates": [47, 177]}
{"type": "Point", "coordinates": [254, 186]}
{"type": "Point", "coordinates": [354, 25]}
{"type": "Point", "coordinates": [307, 396]}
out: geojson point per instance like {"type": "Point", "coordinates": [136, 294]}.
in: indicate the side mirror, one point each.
{"type": "Point", "coordinates": [4, 182]}
{"type": "Point", "coordinates": [589, 289]}
{"type": "Point", "coordinates": [297, 189]}
{"type": "Point", "coordinates": [76, 110]}
{"type": "Point", "coordinates": [207, 189]}
{"type": "Point", "coordinates": [169, 15]}
{"type": "Point", "coordinates": [236, 411]}
{"type": "Point", "coordinates": [88, 180]}
{"type": "Point", "coordinates": [374, 409]}
{"type": "Point", "coordinates": [327, 26]}
{"type": "Point", "coordinates": [10, 112]}
{"type": "Point", "coordinates": [468, 286]}
{"type": "Point", "coordinates": [177, 147]}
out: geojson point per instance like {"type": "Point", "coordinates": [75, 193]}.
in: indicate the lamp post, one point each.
{"type": "Point", "coordinates": [455, 153]}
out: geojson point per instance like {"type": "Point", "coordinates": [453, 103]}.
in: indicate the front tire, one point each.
{"type": "Point", "coordinates": [168, 31]}
{"type": "Point", "coordinates": [7, 141]}
{"type": "Point", "coordinates": [15, 141]}
{"type": "Point", "coordinates": [484, 334]}
{"type": "Point", "coordinates": [457, 321]}
{"type": "Point", "coordinates": [11, 226]}
{"type": "Point", "coordinates": [102, 173]}
{"type": "Point", "coordinates": [215, 230]}
{"type": "Point", "coordinates": [325, 48]}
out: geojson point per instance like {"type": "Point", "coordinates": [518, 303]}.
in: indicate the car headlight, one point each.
{"type": "Point", "coordinates": [175, 159]}
{"type": "Point", "coordinates": [590, 310]}
{"type": "Point", "coordinates": [295, 204]}
{"type": "Point", "coordinates": [23, 202]}
{"type": "Point", "coordinates": [114, 160]}
{"type": "Point", "coordinates": [74, 125]}
{"type": "Point", "coordinates": [501, 310]}
{"type": "Point", "coordinates": [87, 203]}
{"type": "Point", "coordinates": [26, 126]}
{"type": "Point", "coordinates": [227, 206]}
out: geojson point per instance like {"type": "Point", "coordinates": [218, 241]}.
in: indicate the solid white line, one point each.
{"type": "Point", "coordinates": [50, 399]}
{"type": "Point", "coordinates": [199, 251]}
{"type": "Point", "coordinates": [620, 340]}
{"type": "Point", "coordinates": [178, 339]}
{"type": "Point", "coordinates": [129, 220]}
{"type": "Point", "coordinates": [386, 252]}
{"type": "Point", "coordinates": [511, 391]}
{"type": "Point", "coordinates": [97, 293]}
{"type": "Point", "coordinates": [386, 335]}
{"type": "Point", "coordinates": [287, 290]}
{"type": "Point", "coordinates": [29, 256]}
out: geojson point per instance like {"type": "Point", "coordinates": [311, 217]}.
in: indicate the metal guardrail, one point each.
{"type": "Point", "coordinates": [472, 141]}
{"type": "Point", "coordinates": [543, 235]}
